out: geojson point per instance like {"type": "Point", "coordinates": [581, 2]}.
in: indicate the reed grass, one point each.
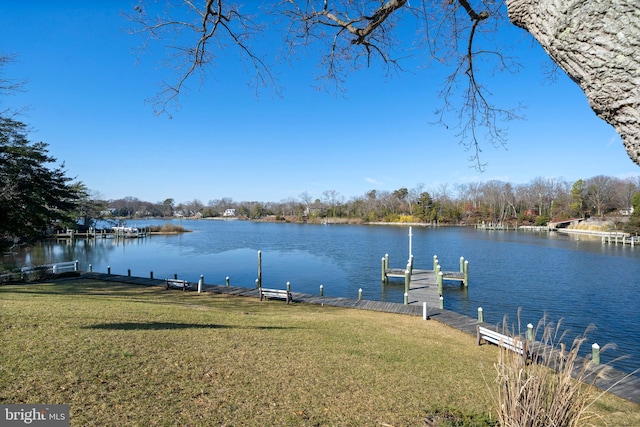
{"type": "Point", "coordinates": [555, 390]}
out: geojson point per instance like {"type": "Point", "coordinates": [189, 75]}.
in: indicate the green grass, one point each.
{"type": "Point", "coordinates": [135, 355]}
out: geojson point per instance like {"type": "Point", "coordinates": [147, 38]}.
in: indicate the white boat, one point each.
{"type": "Point", "coordinates": [126, 232]}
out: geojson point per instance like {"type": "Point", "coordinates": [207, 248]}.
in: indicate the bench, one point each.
{"type": "Point", "coordinates": [51, 268]}
{"type": "Point", "coordinates": [178, 284]}
{"type": "Point", "coordinates": [501, 340]}
{"type": "Point", "coordinates": [275, 293]}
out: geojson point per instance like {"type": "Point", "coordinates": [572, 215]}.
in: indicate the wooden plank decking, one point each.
{"type": "Point", "coordinates": [422, 289]}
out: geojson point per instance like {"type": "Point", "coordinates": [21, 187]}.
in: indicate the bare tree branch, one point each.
{"type": "Point", "coordinates": [354, 34]}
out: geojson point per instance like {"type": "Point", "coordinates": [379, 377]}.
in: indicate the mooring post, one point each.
{"type": "Point", "coordinates": [90, 268]}
{"type": "Point", "coordinates": [288, 287]}
{"type": "Point", "coordinates": [466, 273]}
{"type": "Point", "coordinates": [406, 298]}
{"type": "Point", "coordinates": [260, 268]}
{"type": "Point", "coordinates": [441, 302]}
{"type": "Point", "coordinates": [424, 311]}
{"type": "Point", "coordinates": [437, 270]}
{"type": "Point", "coordinates": [480, 315]}
{"type": "Point", "coordinates": [595, 354]}
{"type": "Point", "coordinates": [530, 333]}
{"type": "Point", "coordinates": [407, 280]}
{"type": "Point", "coordinates": [439, 281]}
{"type": "Point", "coordinates": [360, 294]}
{"type": "Point", "coordinates": [384, 271]}
{"type": "Point", "coordinates": [200, 283]}
{"type": "Point", "coordinates": [257, 283]}
{"type": "Point", "coordinates": [435, 262]}
{"type": "Point", "coordinates": [461, 264]}
{"type": "Point", "coordinates": [321, 290]}
{"type": "Point", "coordinates": [386, 261]}
{"type": "Point", "coordinates": [226, 281]}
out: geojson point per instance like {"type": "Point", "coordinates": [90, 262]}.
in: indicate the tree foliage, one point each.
{"type": "Point", "coordinates": [34, 192]}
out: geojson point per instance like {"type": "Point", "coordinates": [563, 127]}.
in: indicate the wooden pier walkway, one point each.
{"type": "Point", "coordinates": [618, 383]}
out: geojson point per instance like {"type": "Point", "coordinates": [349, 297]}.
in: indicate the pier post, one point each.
{"type": "Point", "coordinates": [90, 268]}
{"type": "Point", "coordinates": [260, 268]}
{"type": "Point", "coordinates": [226, 281]}
{"type": "Point", "coordinates": [75, 265]}
{"type": "Point", "coordinates": [437, 270]}
{"type": "Point", "coordinates": [129, 272]}
{"type": "Point", "coordinates": [530, 333]}
{"type": "Point", "coordinates": [384, 271]}
{"type": "Point", "coordinates": [200, 283]}
{"type": "Point", "coordinates": [424, 311]}
{"type": "Point", "coordinates": [108, 269]}
{"type": "Point", "coordinates": [151, 274]}
{"type": "Point", "coordinates": [439, 280]}
{"type": "Point", "coordinates": [435, 262]}
{"type": "Point", "coordinates": [406, 298]}
{"type": "Point", "coordinates": [441, 302]}
{"type": "Point", "coordinates": [257, 283]}
{"type": "Point", "coordinates": [480, 315]}
{"type": "Point", "coordinates": [321, 290]}
{"type": "Point", "coordinates": [407, 280]}
{"type": "Point", "coordinates": [360, 294]}
{"type": "Point", "coordinates": [461, 264]}
{"type": "Point", "coordinates": [595, 354]}
{"type": "Point", "coordinates": [466, 273]}
{"type": "Point", "coordinates": [288, 287]}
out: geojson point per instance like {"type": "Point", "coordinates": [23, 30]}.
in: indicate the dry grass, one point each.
{"type": "Point", "coordinates": [134, 355]}
{"type": "Point", "coordinates": [556, 391]}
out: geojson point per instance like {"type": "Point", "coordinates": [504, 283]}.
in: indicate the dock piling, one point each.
{"type": "Point", "coordinates": [595, 354]}
{"type": "Point", "coordinates": [260, 268]}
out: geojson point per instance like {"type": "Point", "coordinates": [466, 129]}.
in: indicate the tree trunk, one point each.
{"type": "Point", "coordinates": [597, 43]}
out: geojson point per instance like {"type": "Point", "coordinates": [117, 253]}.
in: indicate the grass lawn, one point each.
{"type": "Point", "coordinates": [135, 355]}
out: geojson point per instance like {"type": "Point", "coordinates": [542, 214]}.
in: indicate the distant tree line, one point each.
{"type": "Point", "coordinates": [536, 203]}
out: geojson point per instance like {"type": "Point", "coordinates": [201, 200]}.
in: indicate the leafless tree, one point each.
{"type": "Point", "coordinates": [600, 193]}
{"type": "Point", "coordinates": [594, 41]}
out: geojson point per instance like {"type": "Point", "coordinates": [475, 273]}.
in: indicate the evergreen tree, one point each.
{"type": "Point", "coordinates": [33, 195]}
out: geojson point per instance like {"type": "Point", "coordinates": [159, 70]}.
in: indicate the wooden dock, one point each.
{"type": "Point", "coordinates": [615, 382]}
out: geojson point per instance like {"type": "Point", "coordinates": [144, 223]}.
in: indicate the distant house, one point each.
{"type": "Point", "coordinates": [229, 212]}
{"type": "Point", "coordinates": [626, 212]}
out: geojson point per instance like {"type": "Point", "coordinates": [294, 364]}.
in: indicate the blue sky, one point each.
{"type": "Point", "coordinates": [86, 95]}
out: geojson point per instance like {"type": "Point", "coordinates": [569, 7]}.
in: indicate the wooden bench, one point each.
{"type": "Point", "coordinates": [501, 340]}
{"type": "Point", "coordinates": [178, 284]}
{"type": "Point", "coordinates": [275, 293]}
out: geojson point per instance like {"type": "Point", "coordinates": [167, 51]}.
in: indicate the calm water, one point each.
{"type": "Point", "coordinates": [581, 282]}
